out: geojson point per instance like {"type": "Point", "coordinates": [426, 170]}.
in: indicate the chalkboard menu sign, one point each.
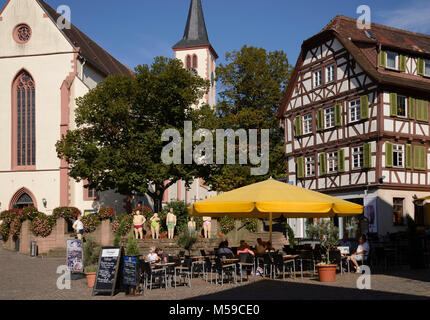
{"type": "Point", "coordinates": [129, 276]}
{"type": "Point", "coordinates": [107, 272]}
{"type": "Point", "coordinates": [74, 255]}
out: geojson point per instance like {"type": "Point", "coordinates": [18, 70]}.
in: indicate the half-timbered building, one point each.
{"type": "Point", "coordinates": [356, 122]}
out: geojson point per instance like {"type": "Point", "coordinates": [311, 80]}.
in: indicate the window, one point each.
{"type": "Point", "coordinates": [332, 162]}
{"type": "Point", "coordinates": [354, 110]}
{"type": "Point", "coordinates": [392, 60]}
{"type": "Point", "coordinates": [89, 193]}
{"type": "Point", "coordinates": [398, 211]}
{"type": "Point", "coordinates": [329, 117]}
{"type": "Point", "coordinates": [310, 166]}
{"type": "Point", "coordinates": [329, 71]}
{"type": "Point", "coordinates": [398, 155]}
{"type": "Point", "coordinates": [357, 158]}
{"type": "Point", "coordinates": [24, 135]}
{"type": "Point", "coordinates": [317, 78]}
{"type": "Point", "coordinates": [427, 68]}
{"type": "Point", "coordinates": [401, 106]}
{"type": "Point", "coordinates": [307, 123]}
{"type": "Point", "coordinates": [188, 65]}
{"type": "Point", "coordinates": [194, 61]}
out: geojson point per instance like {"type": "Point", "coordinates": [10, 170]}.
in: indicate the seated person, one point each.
{"type": "Point", "coordinates": [224, 249]}
{"type": "Point", "coordinates": [244, 248]}
{"type": "Point", "coordinates": [269, 247]}
{"type": "Point", "coordinates": [345, 242]}
{"type": "Point", "coordinates": [162, 256]}
{"type": "Point", "coordinates": [152, 257]}
{"type": "Point", "coordinates": [260, 248]}
{"type": "Point", "coordinates": [361, 253]}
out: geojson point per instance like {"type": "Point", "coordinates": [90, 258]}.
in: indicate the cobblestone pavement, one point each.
{"type": "Point", "coordinates": [23, 277]}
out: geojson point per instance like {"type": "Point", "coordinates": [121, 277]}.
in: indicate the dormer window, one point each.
{"type": "Point", "coordinates": [392, 58]}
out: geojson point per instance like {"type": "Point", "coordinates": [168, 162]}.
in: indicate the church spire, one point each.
{"type": "Point", "coordinates": [195, 34]}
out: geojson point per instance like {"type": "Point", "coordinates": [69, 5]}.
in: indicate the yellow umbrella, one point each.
{"type": "Point", "coordinates": [273, 199]}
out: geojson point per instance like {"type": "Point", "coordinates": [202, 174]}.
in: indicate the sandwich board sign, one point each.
{"type": "Point", "coordinates": [74, 256]}
{"type": "Point", "coordinates": [107, 271]}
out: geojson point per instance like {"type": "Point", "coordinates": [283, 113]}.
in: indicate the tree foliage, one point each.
{"type": "Point", "coordinates": [252, 86]}
{"type": "Point", "coordinates": [117, 141]}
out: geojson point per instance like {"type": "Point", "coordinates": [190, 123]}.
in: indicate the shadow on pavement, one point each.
{"type": "Point", "coordinates": [279, 290]}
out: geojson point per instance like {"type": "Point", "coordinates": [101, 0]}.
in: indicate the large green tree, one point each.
{"type": "Point", "coordinates": [252, 84]}
{"type": "Point", "coordinates": [117, 142]}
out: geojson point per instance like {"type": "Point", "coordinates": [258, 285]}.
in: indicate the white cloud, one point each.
{"type": "Point", "coordinates": [414, 17]}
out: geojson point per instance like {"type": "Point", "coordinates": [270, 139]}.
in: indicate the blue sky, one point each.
{"type": "Point", "coordinates": [135, 31]}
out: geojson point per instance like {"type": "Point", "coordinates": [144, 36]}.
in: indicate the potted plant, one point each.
{"type": "Point", "coordinates": [91, 258]}
{"type": "Point", "coordinates": [328, 235]}
{"type": "Point", "coordinates": [187, 240]}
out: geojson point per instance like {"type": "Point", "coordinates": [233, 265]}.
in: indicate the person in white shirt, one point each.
{"type": "Point", "coordinates": [78, 226]}
{"type": "Point", "coordinates": [361, 253]}
{"type": "Point", "coordinates": [152, 256]}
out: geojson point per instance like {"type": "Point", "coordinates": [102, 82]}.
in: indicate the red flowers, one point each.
{"type": "Point", "coordinates": [106, 213]}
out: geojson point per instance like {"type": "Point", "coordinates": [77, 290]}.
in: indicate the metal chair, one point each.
{"type": "Point", "coordinates": [280, 264]}
{"type": "Point", "coordinates": [207, 267]}
{"type": "Point", "coordinates": [308, 259]}
{"type": "Point", "coordinates": [246, 261]}
{"type": "Point", "coordinates": [184, 270]}
{"type": "Point", "coordinates": [151, 273]}
{"type": "Point", "coordinates": [267, 262]}
{"type": "Point", "coordinates": [221, 269]}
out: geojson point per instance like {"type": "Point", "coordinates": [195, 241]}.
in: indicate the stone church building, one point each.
{"type": "Point", "coordinates": [44, 68]}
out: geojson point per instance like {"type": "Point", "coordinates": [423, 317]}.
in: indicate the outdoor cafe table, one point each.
{"type": "Point", "coordinates": [229, 260]}
{"type": "Point", "coordinates": [290, 256]}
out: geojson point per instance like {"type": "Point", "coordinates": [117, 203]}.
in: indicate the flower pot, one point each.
{"type": "Point", "coordinates": [91, 278]}
{"type": "Point", "coordinates": [327, 273]}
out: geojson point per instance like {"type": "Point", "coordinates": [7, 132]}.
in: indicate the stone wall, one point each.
{"type": "Point", "coordinates": [58, 237]}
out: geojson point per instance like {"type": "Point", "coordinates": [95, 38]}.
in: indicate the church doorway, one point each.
{"type": "Point", "coordinates": [23, 198]}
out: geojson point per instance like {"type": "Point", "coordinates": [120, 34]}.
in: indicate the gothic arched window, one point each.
{"type": "Point", "coordinates": [194, 61]}
{"type": "Point", "coordinates": [188, 65]}
{"type": "Point", "coordinates": [23, 117]}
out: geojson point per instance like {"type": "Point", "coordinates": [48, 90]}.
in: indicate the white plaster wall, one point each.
{"type": "Point", "coordinates": [45, 38]}
{"type": "Point", "coordinates": [205, 65]}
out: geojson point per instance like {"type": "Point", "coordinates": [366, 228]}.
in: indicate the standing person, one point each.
{"type": "Point", "coordinates": [361, 253]}
{"type": "Point", "coordinates": [207, 221]}
{"type": "Point", "coordinates": [155, 226]}
{"type": "Point", "coordinates": [191, 226]}
{"type": "Point", "coordinates": [138, 222]}
{"type": "Point", "coordinates": [78, 226]}
{"type": "Point", "coordinates": [171, 223]}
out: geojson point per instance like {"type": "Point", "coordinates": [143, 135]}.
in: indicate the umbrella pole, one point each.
{"type": "Point", "coordinates": [270, 227]}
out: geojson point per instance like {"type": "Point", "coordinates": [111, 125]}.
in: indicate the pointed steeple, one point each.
{"type": "Point", "coordinates": [195, 34]}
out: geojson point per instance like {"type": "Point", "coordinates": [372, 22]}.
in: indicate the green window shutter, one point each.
{"type": "Point", "coordinates": [320, 120]}
{"type": "Point", "coordinates": [382, 59]}
{"type": "Point", "coordinates": [364, 107]}
{"type": "Point", "coordinates": [388, 154]}
{"type": "Point", "coordinates": [420, 158]}
{"type": "Point", "coordinates": [408, 156]}
{"type": "Point", "coordinates": [402, 63]}
{"type": "Point", "coordinates": [367, 156]}
{"type": "Point", "coordinates": [323, 164]}
{"type": "Point", "coordinates": [425, 106]}
{"type": "Point", "coordinates": [341, 160]}
{"type": "Point", "coordinates": [298, 126]}
{"type": "Point", "coordinates": [420, 66]}
{"type": "Point", "coordinates": [393, 104]}
{"type": "Point", "coordinates": [411, 108]}
{"type": "Point", "coordinates": [300, 167]}
{"type": "Point", "coordinates": [422, 110]}
{"type": "Point", "coordinates": [338, 115]}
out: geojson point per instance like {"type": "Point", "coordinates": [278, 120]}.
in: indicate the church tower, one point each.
{"type": "Point", "coordinates": [195, 50]}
